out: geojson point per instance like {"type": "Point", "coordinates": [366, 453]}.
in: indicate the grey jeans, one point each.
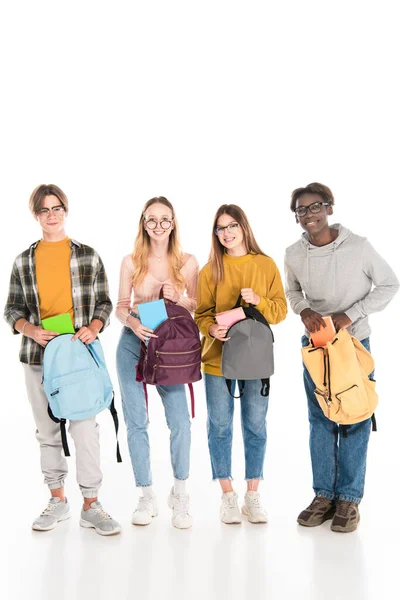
{"type": "Point", "coordinates": [84, 433]}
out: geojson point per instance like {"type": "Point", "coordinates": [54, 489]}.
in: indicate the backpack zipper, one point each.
{"type": "Point", "coordinates": [343, 392]}
{"type": "Point", "coordinates": [177, 366]}
{"type": "Point", "coordinates": [328, 402]}
{"type": "Point", "coordinates": [158, 352]}
{"type": "Point", "coordinates": [171, 367]}
{"type": "Point", "coordinates": [92, 355]}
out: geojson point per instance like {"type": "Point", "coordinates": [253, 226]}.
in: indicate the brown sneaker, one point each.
{"type": "Point", "coordinates": [346, 517]}
{"type": "Point", "coordinates": [320, 510]}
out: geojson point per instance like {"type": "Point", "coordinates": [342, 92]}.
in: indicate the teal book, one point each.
{"type": "Point", "coordinates": [60, 324]}
{"type": "Point", "coordinates": [152, 314]}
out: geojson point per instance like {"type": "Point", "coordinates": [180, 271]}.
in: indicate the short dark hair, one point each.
{"type": "Point", "coordinates": [312, 188]}
{"type": "Point", "coordinates": [40, 193]}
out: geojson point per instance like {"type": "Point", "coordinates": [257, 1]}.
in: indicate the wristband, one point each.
{"type": "Point", "coordinates": [23, 327]}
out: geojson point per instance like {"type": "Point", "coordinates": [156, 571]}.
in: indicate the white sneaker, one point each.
{"type": "Point", "coordinates": [253, 509]}
{"type": "Point", "coordinates": [54, 512]}
{"type": "Point", "coordinates": [145, 511]}
{"type": "Point", "coordinates": [181, 517]}
{"type": "Point", "coordinates": [229, 511]}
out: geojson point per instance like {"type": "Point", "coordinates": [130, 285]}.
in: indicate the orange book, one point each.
{"type": "Point", "coordinates": [324, 334]}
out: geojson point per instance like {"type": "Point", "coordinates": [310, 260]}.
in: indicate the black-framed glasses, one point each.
{"type": "Point", "coordinates": [56, 210]}
{"type": "Point", "coordinates": [164, 223]}
{"type": "Point", "coordinates": [314, 208]}
{"type": "Point", "coordinates": [231, 228]}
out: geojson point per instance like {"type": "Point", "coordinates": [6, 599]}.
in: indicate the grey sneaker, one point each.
{"type": "Point", "coordinates": [54, 512]}
{"type": "Point", "coordinates": [97, 518]}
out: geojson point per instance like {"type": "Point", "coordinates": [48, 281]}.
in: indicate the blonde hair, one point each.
{"type": "Point", "coordinates": [217, 249]}
{"type": "Point", "coordinates": [141, 248]}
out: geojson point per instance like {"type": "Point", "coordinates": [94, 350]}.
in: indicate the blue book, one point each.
{"type": "Point", "coordinates": [152, 314]}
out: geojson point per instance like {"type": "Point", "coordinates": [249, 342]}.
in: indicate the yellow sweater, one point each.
{"type": "Point", "coordinates": [250, 271]}
{"type": "Point", "coordinates": [54, 278]}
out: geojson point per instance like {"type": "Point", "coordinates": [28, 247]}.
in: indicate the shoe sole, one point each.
{"type": "Point", "coordinates": [327, 517]}
{"type": "Point", "coordinates": [247, 514]}
{"type": "Point", "coordinates": [144, 524]}
{"type": "Point", "coordinates": [339, 529]}
{"type": "Point", "coordinates": [63, 518]}
{"type": "Point", "coordinates": [231, 522]}
{"type": "Point", "coordinates": [180, 527]}
{"type": "Point", "coordinates": [89, 525]}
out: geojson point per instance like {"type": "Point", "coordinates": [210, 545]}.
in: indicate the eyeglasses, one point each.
{"type": "Point", "coordinates": [231, 228]}
{"type": "Point", "coordinates": [164, 223]}
{"type": "Point", "coordinates": [314, 208]}
{"type": "Point", "coordinates": [56, 210]}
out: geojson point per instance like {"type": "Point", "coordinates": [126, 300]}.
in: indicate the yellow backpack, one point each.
{"type": "Point", "coordinates": [340, 372]}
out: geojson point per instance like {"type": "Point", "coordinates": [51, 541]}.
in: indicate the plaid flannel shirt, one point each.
{"type": "Point", "coordinates": [90, 295]}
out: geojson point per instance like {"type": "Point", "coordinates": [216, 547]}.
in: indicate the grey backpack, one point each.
{"type": "Point", "coordinates": [249, 353]}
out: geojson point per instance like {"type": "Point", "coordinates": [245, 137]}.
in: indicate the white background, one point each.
{"type": "Point", "coordinates": [204, 103]}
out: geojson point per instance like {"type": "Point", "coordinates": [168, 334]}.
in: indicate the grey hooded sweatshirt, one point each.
{"type": "Point", "coordinates": [347, 275]}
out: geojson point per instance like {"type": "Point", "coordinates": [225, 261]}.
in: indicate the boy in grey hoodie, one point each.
{"type": "Point", "coordinates": [332, 271]}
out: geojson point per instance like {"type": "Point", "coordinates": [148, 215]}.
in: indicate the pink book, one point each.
{"type": "Point", "coordinates": [229, 317]}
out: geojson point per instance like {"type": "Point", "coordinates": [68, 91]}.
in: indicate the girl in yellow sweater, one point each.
{"type": "Point", "coordinates": [236, 266]}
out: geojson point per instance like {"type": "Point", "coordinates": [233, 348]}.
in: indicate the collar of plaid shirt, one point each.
{"type": "Point", "coordinates": [90, 294]}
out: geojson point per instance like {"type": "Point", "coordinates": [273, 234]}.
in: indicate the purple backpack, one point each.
{"type": "Point", "coordinates": [174, 357]}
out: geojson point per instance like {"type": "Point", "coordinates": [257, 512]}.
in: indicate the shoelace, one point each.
{"type": "Point", "coordinates": [254, 501]}
{"type": "Point", "coordinates": [182, 505]}
{"type": "Point", "coordinates": [342, 508]}
{"type": "Point", "coordinates": [144, 504]}
{"type": "Point", "coordinates": [319, 500]}
{"type": "Point", "coordinates": [49, 509]}
{"type": "Point", "coordinates": [102, 513]}
{"type": "Point", "coordinates": [231, 502]}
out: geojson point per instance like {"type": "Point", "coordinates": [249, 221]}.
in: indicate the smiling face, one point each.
{"type": "Point", "coordinates": [230, 235]}
{"type": "Point", "coordinates": [311, 222]}
{"type": "Point", "coordinates": [51, 216]}
{"type": "Point", "coordinates": [158, 221]}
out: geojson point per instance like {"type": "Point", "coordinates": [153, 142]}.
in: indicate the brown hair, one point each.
{"type": "Point", "coordinates": [312, 188]}
{"type": "Point", "coordinates": [217, 249]}
{"type": "Point", "coordinates": [141, 248]}
{"type": "Point", "coordinates": [40, 193]}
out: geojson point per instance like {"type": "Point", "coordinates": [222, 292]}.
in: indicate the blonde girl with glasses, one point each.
{"type": "Point", "coordinates": [237, 266]}
{"type": "Point", "coordinates": [157, 262]}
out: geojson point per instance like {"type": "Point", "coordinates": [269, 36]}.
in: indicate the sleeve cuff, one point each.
{"type": "Point", "coordinates": [353, 313]}
{"type": "Point", "coordinates": [262, 304]}
{"type": "Point", "coordinates": [300, 307]}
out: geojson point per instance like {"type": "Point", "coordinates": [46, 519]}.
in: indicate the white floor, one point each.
{"type": "Point", "coordinates": [278, 560]}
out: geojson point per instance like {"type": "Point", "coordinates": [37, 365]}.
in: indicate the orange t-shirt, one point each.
{"type": "Point", "coordinates": [53, 278]}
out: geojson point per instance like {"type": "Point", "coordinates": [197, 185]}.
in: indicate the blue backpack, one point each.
{"type": "Point", "coordinates": [76, 383]}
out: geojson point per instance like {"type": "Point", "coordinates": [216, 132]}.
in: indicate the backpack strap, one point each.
{"type": "Point", "coordinates": [146, 397]}
{"type": "Point", "coordinates": [229, 386]}
{"type": "Point", "coordinates": [62, 430]}
{"type": "Point", "coordinates": [114, 415]}
{"type": "Point", "coordinates": [191, 398]}
{"type": "Point", "coordinates": [239, 301]}
{"type": "Point", "coordinates": [63, 422]}
{"type": "Point", "coordinates": [265, 386]}
{"type": "Point", "coordinates": [373, 422]}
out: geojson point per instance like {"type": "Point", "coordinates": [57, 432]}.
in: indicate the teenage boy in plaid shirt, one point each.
{"type": "Point", "coordinates": [58, 275]}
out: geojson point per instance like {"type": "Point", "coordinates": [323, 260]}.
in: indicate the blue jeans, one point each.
{"type": "Point", "coordinates": [338, 462]}
{"type": "Point", "coordinates": [220, 407]}
{"type": "Point", "coordinates": [136, 418]}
